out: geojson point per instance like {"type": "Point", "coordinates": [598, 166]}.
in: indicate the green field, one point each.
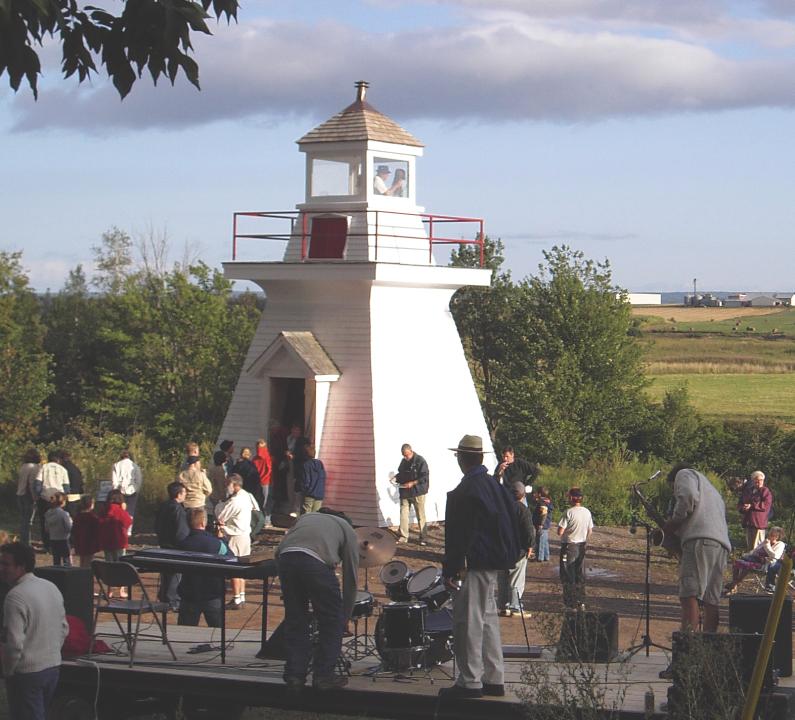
{"type": "Point", "coordinates": [736, 396]}
{"type": "Point", "coordinates": [737, 374]}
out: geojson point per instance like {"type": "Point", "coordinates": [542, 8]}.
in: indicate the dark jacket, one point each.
{"type": "Point", "coordinates": [760, 500]}
{"type": "Point", "coordinates": [75, 477]}
{"type": "Point", "coordinates": [414, 469]}
{"type": "Point", "coordinates": [197, 586]}
{"type": "Point", "coordinates": [248, 471]}
{"type": "Point", "coordinates": [543, 521]}
{"type": "Point", "coordinates": [519, 471]}
{"type": "Point", "coordinates": [314, 479]}
{"type": "Point", "coordinates": [171, 524]}
{"type": "Point", "coordinates": [481, 526]}
{"type": "Point", "coordinates": [527, 533]}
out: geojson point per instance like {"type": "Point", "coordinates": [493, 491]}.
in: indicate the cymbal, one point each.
{"type": "Point", "coordinates": [376, 546]}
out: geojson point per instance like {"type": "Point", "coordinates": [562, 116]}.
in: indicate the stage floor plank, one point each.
{"type": "Point", "coordinates": [262, 679]}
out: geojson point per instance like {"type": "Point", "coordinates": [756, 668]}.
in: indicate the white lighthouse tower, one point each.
{"type": "Point", "coordinates": [356, 341]}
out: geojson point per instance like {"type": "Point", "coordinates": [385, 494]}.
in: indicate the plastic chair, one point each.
{"type": "Point", "coordinates": [122, 574]}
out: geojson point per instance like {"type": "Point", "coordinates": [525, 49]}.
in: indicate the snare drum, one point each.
{"type": "Point", "coordinates": [395, 576]}
{"type": "Point", "coordinates": [428, 586]}
{"type": "Point", "coordinates": [363, 607]}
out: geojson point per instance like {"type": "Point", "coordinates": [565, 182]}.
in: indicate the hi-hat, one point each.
{"type": "Point", "coordinates": [376, 546]}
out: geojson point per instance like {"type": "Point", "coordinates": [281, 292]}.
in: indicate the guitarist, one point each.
{"type": "Point", "coordinates": [699, 520]}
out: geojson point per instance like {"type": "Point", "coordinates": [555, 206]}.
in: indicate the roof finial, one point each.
{"type": "Point", "coordinates": [361, 90]}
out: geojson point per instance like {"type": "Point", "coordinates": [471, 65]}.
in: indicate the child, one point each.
{"type": "Point", "coordinates": [574, 530]}
{"type": "Point", "coordinates": [542, 521]}
{"type": "Point", "coordinates": [113, 538]}
{"type": "Point", "coordinates": [59, 524]}
{"type": "Point", "coordinates": [313, 484]}
{"type": "Point", "coordinates": [85, 532]}
{"type": "Point", "coordinates": [768, 551]}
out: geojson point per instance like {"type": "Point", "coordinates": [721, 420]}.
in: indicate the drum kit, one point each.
{"type": "Point", "coordinates": [415, 629]}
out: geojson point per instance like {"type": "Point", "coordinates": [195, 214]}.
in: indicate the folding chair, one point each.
{"type": "Point", "coordinates": [122, 574]}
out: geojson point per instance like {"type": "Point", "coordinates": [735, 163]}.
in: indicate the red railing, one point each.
{"type": "Point", "coordinates": [431, 221]}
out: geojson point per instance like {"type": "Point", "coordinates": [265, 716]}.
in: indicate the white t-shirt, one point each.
{"type": "Point", "coordinates": [576, 523]}
{"type": "Point", "coordinates": [379, 185]}
{"type": "Point", "coordinates": [235, 513]}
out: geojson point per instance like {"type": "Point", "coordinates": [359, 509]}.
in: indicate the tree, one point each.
{"type": "Point", "coordinates": [113, 259]}
{"type": "Point", "coordinates": [73, 319]}
{"type": "Point", "coordinates": [581, 392]}
{"type": "Point", "coordinates": [24, 379]}
{"type": "Point", "coordinates": [175, 344]}
{"type": "Point", "coordinates": [151, 35]}
{"type": "Point", "coordinates": [484, 320]}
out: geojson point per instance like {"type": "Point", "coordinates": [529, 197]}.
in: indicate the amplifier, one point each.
{"type": "Point", "coordinates": [748, 614]}
{"type": "Point", "coordinates": [77, 587]}
{"type": "Point", "coordinates": [590, 637]}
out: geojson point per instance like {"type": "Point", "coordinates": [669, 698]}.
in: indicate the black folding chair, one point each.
{"type": "Point", "coordinates": [122, 574]}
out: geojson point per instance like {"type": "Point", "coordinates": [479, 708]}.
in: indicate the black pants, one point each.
{"type": "Point", "coordinates": [191, 610]}
{"type": "Point", "coordinates": [305, 579]}
{"type": "Point", "coordinates": [572, 556]}
{"type": "Point", "coordinates": [60, 552]}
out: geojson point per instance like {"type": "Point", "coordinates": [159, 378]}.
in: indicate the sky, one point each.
{"type": "Point", "coordinates": [656, 134]}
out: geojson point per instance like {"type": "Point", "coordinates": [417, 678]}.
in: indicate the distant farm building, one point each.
{"type": "Point", "coordinates": [758, 299]}
{"type": "Point", "coordinates": [644, 298]}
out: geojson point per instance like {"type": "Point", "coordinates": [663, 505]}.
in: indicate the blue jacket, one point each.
{"type": "Point", "coordinates": [195, 586]}
{"type": "Point", "coordinates": [481, 527]}
{"type": "Point", "coordinates": [314, 482]}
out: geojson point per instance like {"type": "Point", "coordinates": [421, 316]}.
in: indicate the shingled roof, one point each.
{"type": "Point", "coordinates": [360, 121]}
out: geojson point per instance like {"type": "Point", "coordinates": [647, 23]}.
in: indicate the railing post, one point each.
{"type": "Point", "coordinates": [430, 239]}
{"type": "Point", "coordinates": [367, 223]}
{"type": "Point", "coordinates": [234, 236]}
{"type": "Point", "coordinates": [303, 236]}
{"type": "Point", "coordinates": [482, 238]}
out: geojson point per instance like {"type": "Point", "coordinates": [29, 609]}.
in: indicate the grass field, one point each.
{"type": "Point", "coordinates": [730, 373]}
{"type": "Point", "coordinates": [728, 321]}
{"type": "Point", "coordinates": [736, 396]}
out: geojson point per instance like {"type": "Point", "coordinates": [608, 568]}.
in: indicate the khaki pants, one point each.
{"type": "Point", "coordinates": [311, 504]}
{"type": "Point", "coordinates": [754, 536]}
{"type": "Point", "coordinates": [418, 503]}
{"type": "Point", "coordinates": [476, 631]}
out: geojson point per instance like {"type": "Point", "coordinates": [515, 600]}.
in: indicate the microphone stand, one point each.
{"type": "Point", "coordinates": [646, 642]}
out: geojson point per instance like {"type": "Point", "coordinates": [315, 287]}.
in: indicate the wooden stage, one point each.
{"type": "Point", "coordinates": [246, 681]}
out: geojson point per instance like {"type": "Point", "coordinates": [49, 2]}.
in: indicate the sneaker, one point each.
{"type": "Point", "coordinates": [423, 542]}
{"type": "Point", "coordinates": [667, 674]}
{"type": "Point", "coordinates": [770, 589]}
{"type": "Point", "coordinates": [403, 541]}
{"type": "Point", "coordinates": [494, 689]}
{"type": "Point", "coordinates": [235, 604]}
{"type": "Point", "coordinates": [502, 613]}
{"type": "Point", "coordinates": [458, 691]}
{"type": "Point", "coordinates": [332, 682]}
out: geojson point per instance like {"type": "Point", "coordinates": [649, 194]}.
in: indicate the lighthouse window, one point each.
{"type": "Point", "coordinates": [390, 177]}
{"type": "Point", "coordinates": [334, 177]}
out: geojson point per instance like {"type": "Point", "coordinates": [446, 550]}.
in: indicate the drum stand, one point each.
{"type": "Point", "coordinates": [360, 646]}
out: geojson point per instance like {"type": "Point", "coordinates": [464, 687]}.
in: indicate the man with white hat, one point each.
{"type": "Point", "coordinates": [481, 538]}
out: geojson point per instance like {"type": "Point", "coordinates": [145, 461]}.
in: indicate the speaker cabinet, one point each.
{"type": "Point", "coordinates": [588, 637]}
{"type": "Point", "coordinates": [77, 587]}
{"type": "Point", "coordinates": [748, 614]}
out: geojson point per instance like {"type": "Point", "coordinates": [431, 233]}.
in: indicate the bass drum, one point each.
{"type": "Point", "coordinates": [438, 636]}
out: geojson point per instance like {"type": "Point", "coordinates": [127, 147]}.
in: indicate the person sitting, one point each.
{"type": "Point", "coordinates": [770, 550]}
{"type": "Point", "coordinates": [199, 593]}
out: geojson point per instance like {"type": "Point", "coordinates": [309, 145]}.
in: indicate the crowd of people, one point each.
{"type": "Point", "coordinates": [494, 524]}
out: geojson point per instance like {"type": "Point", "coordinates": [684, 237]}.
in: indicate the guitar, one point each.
{"type": "Point", "coordinates": [670, 543]}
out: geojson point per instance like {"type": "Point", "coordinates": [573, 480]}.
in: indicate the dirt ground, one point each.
{"type": "Point", "coordinates": [615, 572]}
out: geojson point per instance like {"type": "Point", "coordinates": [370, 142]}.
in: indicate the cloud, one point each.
{"type": "Point", "coordinates": [507, 66]}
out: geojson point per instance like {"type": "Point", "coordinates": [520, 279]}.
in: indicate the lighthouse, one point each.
{"type": "Point", "coordinates": [356, 342]}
